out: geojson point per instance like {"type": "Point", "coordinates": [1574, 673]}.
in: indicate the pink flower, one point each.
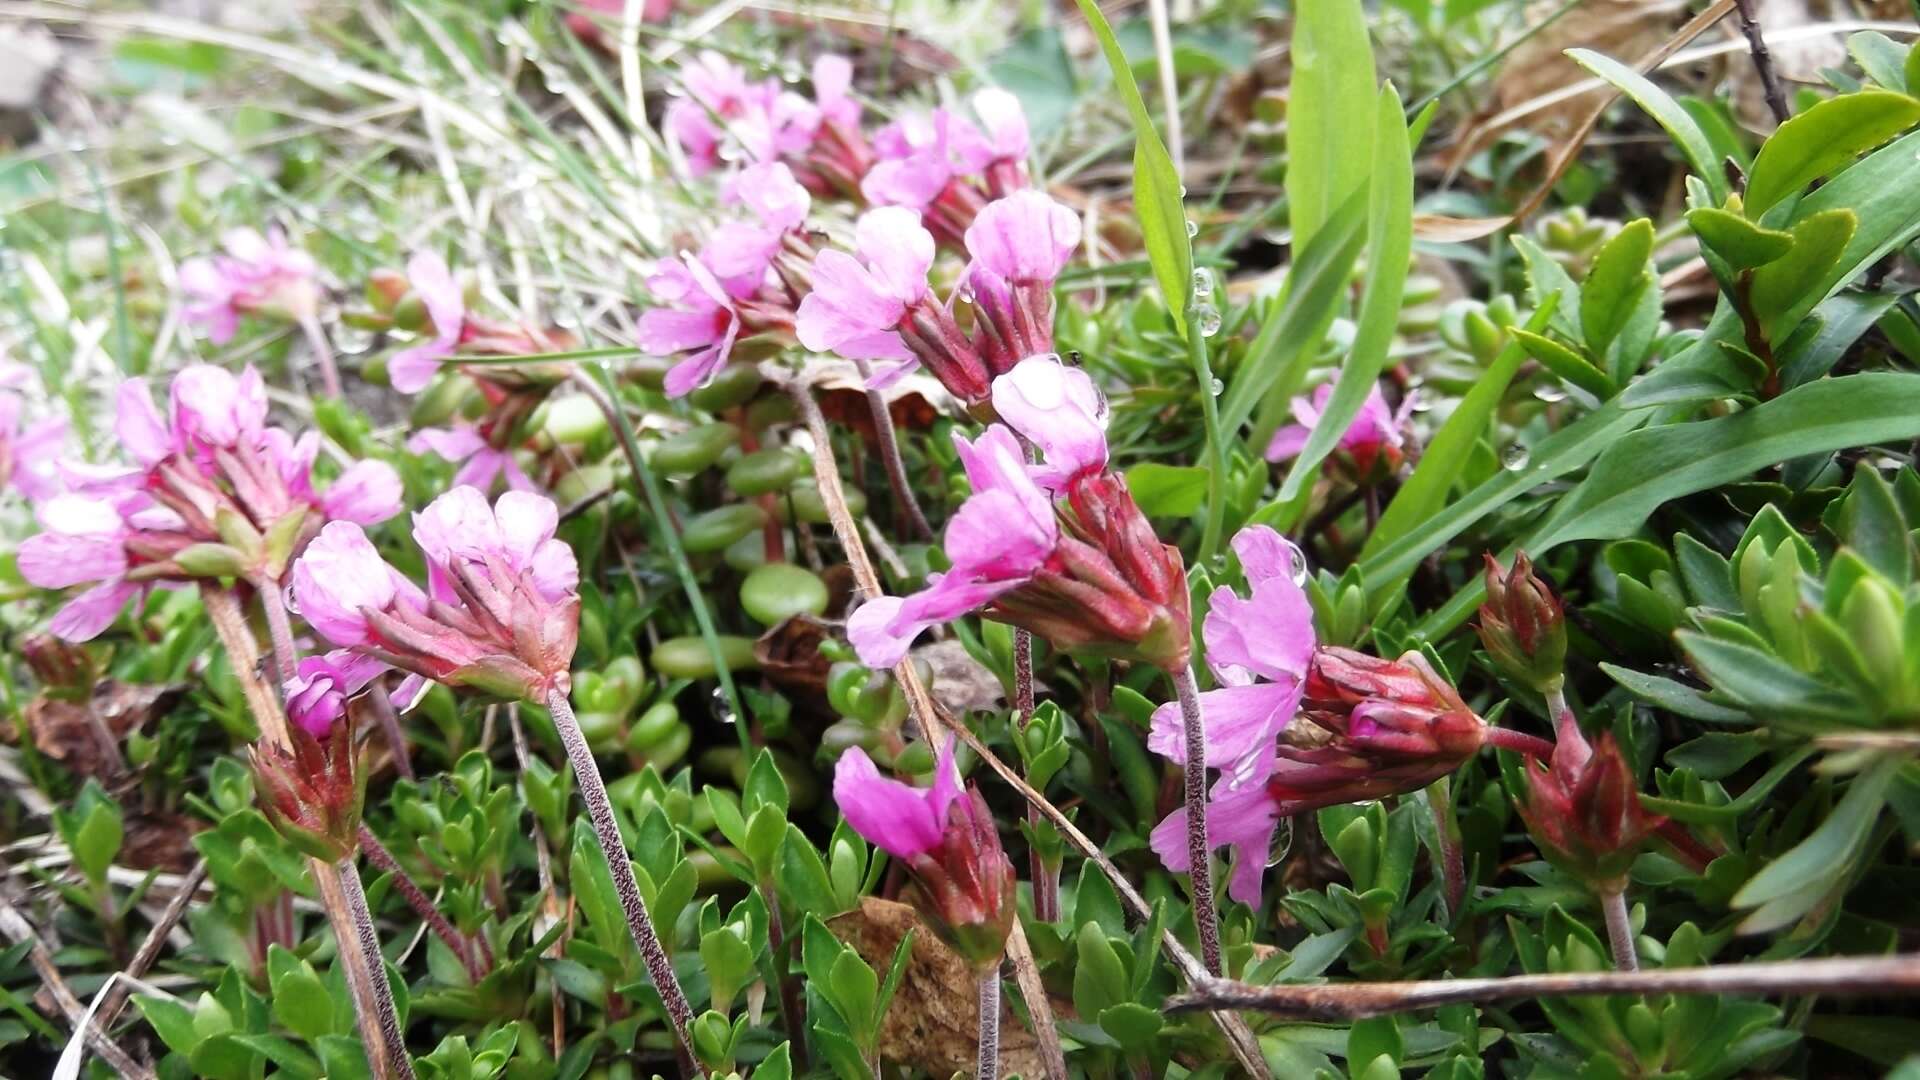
{"type": "Point", "coordinates": [832, 77]}
{"type": "Point", "coordinates": [29, 456]}
{"type": "Point", "coordinates": [317, 694]}
{"type": "Point", "coordinates": [412, 369]}
{"type": "Point", "coordinates": [1025, 238]}
{"type": "Point", "coordinates": [857, 304]}
{"type": "Point", "coordinates": [1241, 820]}
{"type": "Point", "coordinates": [1057, 409]}
{"type": "Point", "coordinates": [255, 275]}
{"type": "Point", "coordinates": [480, 462]}
{"type": "Point", "coordinates": [902, 820]}
{"type": "Point", "coordinates": [515, 534]}
{"type": "Point", "coordinates": [963, 884]}
{"type": "Point", "coordinates": [505, 610]}
{"type": "Point", "coordinates": [998, 540]}
{"type": "Point", "coordinates": [702, 320]}
{"type": "Point", "coordinates": [1267, 636]}
{"type": "Point", "coordinates": [589, 29]}
{"type": "Point", "coordinates": [138, 425]}
{"type": "Point", "coordinates": [340, 577]}
{"type": "Point", "coordinates": [697, 137]}
{"type": "Point", "coordinates": [1004, 122]}
{"type": "Point", "coordinates": [1376, 436]}
{"type": "Point", "coordinates": [740, 252]}
{"type": "Point", "coordinates": [212, 410]}
{"type": "Point", "coordinates": [84, 541]}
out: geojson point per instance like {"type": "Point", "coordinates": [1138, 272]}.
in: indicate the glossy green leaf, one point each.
{"type": "Point", "coordinates": [1826, 853]}
{"type": "Point", "coordinates": [1565, 363]}
{"type": "Point", "coordinates": [1691, 141]}
{"type": "Point", "coordinates": [1157, 199]}
{"type": "Point", "coordinates": [1737, 240]}
{"type": "Point", "coordinates": [1823, 140]}
{"type": "Point", "coordinates": [1389, 253]}
{"type": "Point", "coordinates": [1783, 290]}
{"type": "Point", "coordinates": [1167, 490]}
{"type": "Point", "coordinates": [1883, 59]}
{"type": "Point", "coordinates": [1330, 112]}
{"type": "Point", "coordinates": [1621, 273]}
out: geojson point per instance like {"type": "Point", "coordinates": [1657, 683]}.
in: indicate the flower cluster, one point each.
{"type": "Point", "coordinates": [500, 611]}
{"type": "Point", "coordinates": [212, 491]}
{"type": "Point", "coordinates": [945, 835]}
{"type": "Point", "coordinates": [1058, 548]}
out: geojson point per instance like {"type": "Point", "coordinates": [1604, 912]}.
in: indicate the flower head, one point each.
{"type": "Point", "coordinates": [1019, 246]}
{"type": "Point", "coordinates": [1005, 124]}
{"type": "Point", "coordinates": [925, 164]}
{"type": "Point", "coordinates": [29, 453]}
{"type": "Point", "coordinates": [253, 275]}
{"type": "Point", "coordinates": [440, 292]}
{"type": "Point", "coordinates": [1373, 444]}
{"type": "Point", "coordinates": [314, 791]}
{"type": "Point", "coordinates": [586, 21]}
{"type": "Point", "coordinates": [703, 321]}
{"type": "Point", "coordinates": [481, 463]}
{"type": "Point", "coordinates": [1583, 809]}
{"type": "Point", "coordinates": [945, 835]}
{"type": "Point", "coordinates": [502, 608]}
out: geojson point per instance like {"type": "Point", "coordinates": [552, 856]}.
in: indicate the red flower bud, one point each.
{"type": "Point", "coordinates": [1584, 812]}
{"type": "Point", "coordinates": [313, 793]}
{"type": "Point", "coordinates": [1522, 625]}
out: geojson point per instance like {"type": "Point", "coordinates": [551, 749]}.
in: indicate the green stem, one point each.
{"type": "Point", "coordinates": [1216, 443]}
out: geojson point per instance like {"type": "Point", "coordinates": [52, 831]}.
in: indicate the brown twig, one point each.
{"type": "Point", "coordinates": [889, 441]}
{"type": "Point", "coordinates": [149, 949]}
{"type": "Point", "coordinates": [1848, 975]}
{"type": "Point", "coordinates": [1026, 975]}
{"type": "Point", "coordinates": [931, 719]}
{"type": "Point", "coordinates": [1763, 62]}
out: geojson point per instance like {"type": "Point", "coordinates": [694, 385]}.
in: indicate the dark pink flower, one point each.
{"type": "Point", "coordinates": [481, 463]}
{"type": "Point", "coordinates": [1376, 438]}
{"type": "Point", "coordinates": [703, 320]}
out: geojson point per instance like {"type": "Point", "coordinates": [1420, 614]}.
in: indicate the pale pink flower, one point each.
{"type": "Point", "coordinates": [1000, 537]}
{"type": "Point", "coordinates": [481, 463]}
{"type": "Point", "coordinates": [1377, 434]}
{"type": "Point", "coordinates": [832, 78]}
{"type": "Point", "coordinates": [1026, 238]}
{"type": "Point", "coordinates": [740, 252]}
{"type": "Point", "coordinates": [412, 369]}
{"type": "Point", "coordinates": [85, 541]}
{"type": "Point", "coordinates": [1005, 125]}
{"type": "Point", "coordinates": [693, 132]}
{"type": "Point", "coordinates": [902, 820]}
{"type": "Point", "coordinates": [702, 320]}
{"type": "Point", "coordinates": [254, 275]}
{"type": "Point", "coordinates": [587, 22]}
{"type": "Point", "coordinates": [921, 155]}
{"type": "Point", "coordinates": [339, 577]}
{"type": "Point", "coordinates": [1058, 409]}
{"type": "Point", "coordinates": [212, 409]}
{"type": "Point", "coordinates": [516, 532]}
{"type": "Point", "coordinates": [1259, 649]}
{"type": "Point", "coordinates": [29, 455]}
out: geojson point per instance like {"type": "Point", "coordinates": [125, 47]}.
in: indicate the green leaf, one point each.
{"type": "Point", "coordinates": [1913, 68]}
{"type": "Point", "coordinates": [1619, 276]}
{"type": "Point", "coordinates": [777, 1065]}
{"type": "Point", "coordinates": [1883, 60]}
{"type": "Point", "coordinates": [1686, 134]}
{"type": "Point", "coordinates": [1675, 697]}
{"type": "Point", "coordinates": [1823, 140]}
{"type": "Point", "coordinates": [1784, 290]}
{"type": "Point", "coordinates": [1765, 684]}
{"type": "Point", "coordinates": [1370, 1039]}
{"type": "Point", "coordinates": [1739, 241]}
{"type": "Point", "coordinates": [1099, 978]}
{"type": "Point", "coordinates": [1389, 253]}
{"type": "Point", "coordinates": [1157, 199]}
{"type": "Point", "coordinates": [300, 999]}
{"type": "Point", "coordinates": [1749, 800]}
{"type": "Point", "coordinates": [1873, 526]}
{"type": "Point", "coordinates": [1173, 491]}
{"type": "Point", "coordinates": [1132, 1025]}
{"type": "Point", "coordinates": [1817, 344]}
{"type": "Point", "coordinates": [1035, 67]}
{"type": "Point", "coordinates": [1547, 278]}
{"type": "Point", "coordinates": [1824, 855]}
{"type": "Point", "coordinates": [1425, 492]}
{"type": "Point", "coordinates": [172, 1021]}
{"type": "Point", "coordinates": [1565, 363]}
{"type": "Point", "coordinates": [1329, 112]}
{"type": "Point", "coordinates": [1280, 353]}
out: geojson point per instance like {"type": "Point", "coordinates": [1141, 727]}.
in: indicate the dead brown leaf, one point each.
{"type": "Point", "coordinates": [933, 1022]}
{"type": "Point", "coordinates": [64, 731]}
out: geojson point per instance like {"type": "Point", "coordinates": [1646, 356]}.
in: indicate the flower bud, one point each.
{"type": "Point", "coordinates": [1523, 627]}
{"type": "Point", "coordinates": [1585, 814]}
{"type": "Point", "coordinates": [313, 794]}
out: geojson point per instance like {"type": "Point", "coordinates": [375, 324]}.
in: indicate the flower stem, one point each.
{"type": "Point", "coordinates": [1453, 866]}
{"type": "Point", "coordinates": [1613, 904]}
{"type": "Point", "coordinates": [381, 706]}
{"type": "Point", "coordinates": [422, 905]}
{"type": "Point", "coordinates": [322, 353]}
{"type": "Point", "coordinates": [1046, 879]}
{"type": "Point", "coordinates": [593, 791]}
{"type": "Point", "coordinates": [286, 656]}
{"type": "Point", "coordinates": [1205, 918]}
{"type": "Point", "coordinates": [989, 1061]}
{"type": "Point", "coordinates": [368, 941]}
{"type": "Point", "coordinates": [884, 434]}
{"type": "Point", "coordinates": [1519, 742]}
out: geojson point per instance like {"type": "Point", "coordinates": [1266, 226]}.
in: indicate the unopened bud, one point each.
{"type": "Point", "coordinates": [211, 561]}
{"type": "Point", "coordinates": [1523, 626]}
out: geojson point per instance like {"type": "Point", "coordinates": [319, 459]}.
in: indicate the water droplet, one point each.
{"type": "Point", "coordinates": [1282, 842]}
{"type": "Point", "coordinates": [350, 340]}
{"type": "Point", "coordinates": [723, 707]}
{"type": "Point", "coordinates": [1516, 457]}
{"type": "Point", "coordinates": [1418, 401]}
{"type": "Point", "coordinates": [1193, 228]}
{"type": "Point", "coordinates": [1550, 393]}
{"type": "Point", "coordinates": [1207, 318]}
{"type": "Point", "coordinates": [1218, 388]}
{"type": "Point", "coordinates": [1202, 283]}
{"type": "Point", "coordinates": [1183, 191]}
{"type": "Point", "coordinates": [1296, 563]}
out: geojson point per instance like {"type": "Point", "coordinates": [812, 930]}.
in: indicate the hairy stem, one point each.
{"type": "Point", "coordinates": [889, 441]}
{"type": "Point", "coordinates": [593, 791]}
{"type": "Point", "coordinates": [1205, 916]}
{"type": "Point", "coordinates": [1045, 878]}
{"type": "Point", "coordinates": [989, 1061]}
{"type": "Point", "coordinates": [1519, 742]}
{"type": "Point", "coordinates": [381, 706]}
{"type": "Point", "coordinates": [1613, 904]}
{"type": "Point", "coordinates": [368, 941]}
{"type": "Point", "coordinates": [422, 905]}
{"type": "Point", "coordinates": [322, 353]}
{"type": "Point", "coordinates": [1453, 866]}
{"type": "Point", "coordinates": [286, 656]}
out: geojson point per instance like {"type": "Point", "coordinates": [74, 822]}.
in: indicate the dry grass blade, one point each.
{"type": "Point", "coordinates": [15, 927]}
